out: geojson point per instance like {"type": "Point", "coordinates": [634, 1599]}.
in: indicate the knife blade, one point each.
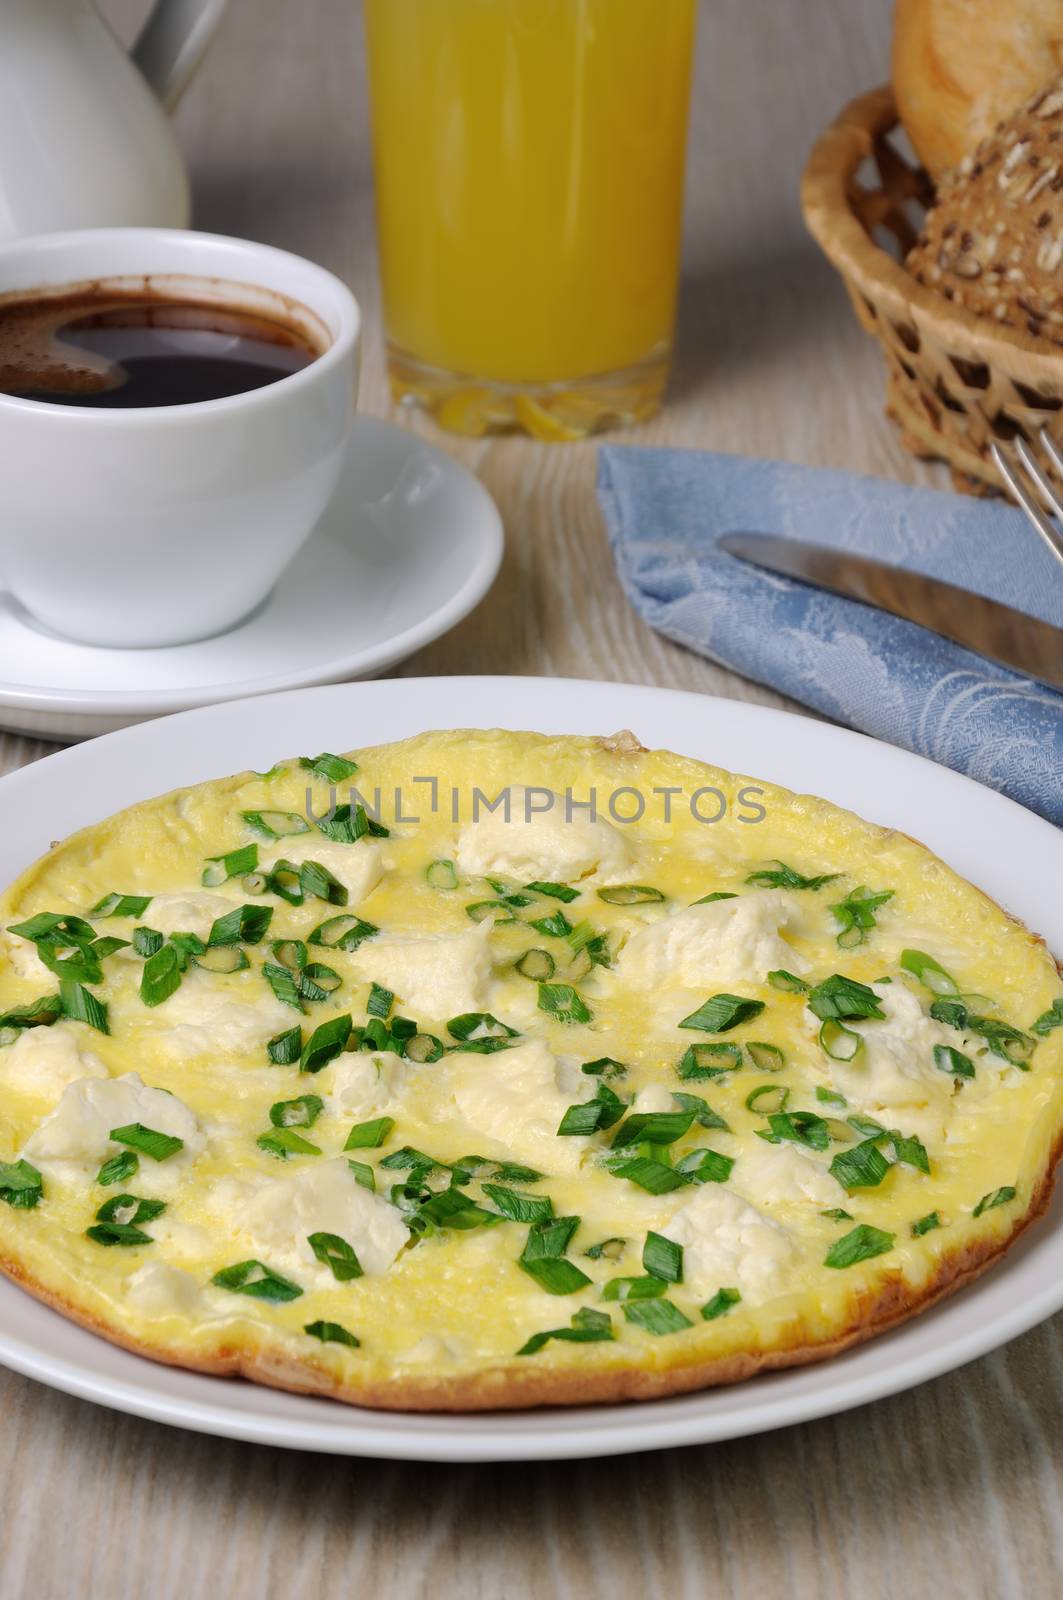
{"type": "Point", "coordinates": [1012, 639]}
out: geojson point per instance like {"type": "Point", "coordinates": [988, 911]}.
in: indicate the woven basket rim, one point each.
{"type": "Point", "coordinates": [836, 157]}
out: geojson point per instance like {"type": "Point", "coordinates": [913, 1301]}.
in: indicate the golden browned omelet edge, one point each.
{"type": "Point", "coordinates": [509, 1386]}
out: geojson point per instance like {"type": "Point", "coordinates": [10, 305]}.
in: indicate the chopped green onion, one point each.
{"type": "Point", "coordinates": [656, 1316]}
{"type": "Point", "coordinates": [995, 1197]}
{"type": "Point", "coordinates": [321, 884]}
{"type": "Point", "coordinates": [704, 1115]}
{"type": "Point", "coordinates": [855, 914]}
{"type": "Point", "coordinates": [926, 1224]}
{"type": "Point", "coordinates": [836, 1214]}
{"type": "Point", "coordinates": [867, 1126]}
{"type": "Point", "coordinates": [543, 1256]}
{"type": "Point", "coordinates": [148, 1141]}
{"type": "Point", "coordinates": [441, 875]}
{"type": "Point", "coordinates": [788, 982]}
{"type": "Point", "coordinates": [362, 1173]}
{"type": "Point", "coordinates": [652, 1127]}
{"type": "Point", "coordinates": [663, 1258]}
{"type": "Point", "coordinates": [931, 973]}
{"type": "Point", "coordinates": [718, 894]}
{"type": "Point", "coordinates": [480, 910]}
{"type": "Point", "coordinates": [538, 965]}
{"type": "Point", "coordinates": [82, 1006]}
{"type": "Point", "coordinates": [706, 1060]}
{"type": "Point", "coordinates": [478, 1025]}
{"type": "Point", "coordinates": [839, 1042]}
{"type": "Point", "coordinates": [588, 1327]}
{"type": "Point", "coordinates": [518, 1207]}
{"type": "Point", "coordinates": [291, 953]}
{"type": "Point", "coordinates": [777, 875]}
{"type": "Point", "coordinates": [606, 1249]}
{"type": "Point", "coordinates": [952, 1012]}
{"type": "Point", "coordinates": [723, 1012]}
{"type": "Point", "coordinates": [21, 1185]}
{"type": "Point", "coordinates": [765, 1057]}
{"type": "Point", "coordinates": [302, 1112]}
{"type": "Point", "coordinates": [369, 1135]}
{"type": "Point", "coordinates": [130, 1208]}
{"type": "Point", "coordinates": [705, 1166]}
{"type": "Point", "coordinates": [336, 769]}
{"type": "Point", "coordinates": [630, 894]}
{"type": "Point", "coordinates": [859, 1244]}
{"type": "Point", "coordinates": [276, 824]}
{"type": "Point", "coordinates": [555, 926]}
{"type": "Point", "coordinates": [146, 941]}
{"type": "Point", "coordinates": [842, 999]}
{"type": "Point", "coordinates": [233, 864]}
{"type": "Point", "coordinates": [325, 1043]}
{"type": "Point", "coordinates": [161, 975]}
{"type": "Point", "coordinates": [380, 1001]}
{"type": "Point", "coordinates": [225, 959]}
{"type": "Point", "coordinates": [767, 1097]}
{"type": "Point", "coordinates": [910, 1150]}
{"type": "Point", "coordinates": [285, 1142]}
{"type": "Point", "coordinates": [1003, 1040]}
{"type": "Point", "coordinates": [256, 1279]}
{"type": "Point", "coordinates": [332, 1333]}
{"type": "Point", "coordinates": [117, 1233]}
{"type": "Point", "coordinates": [555, 891]}
{"type": "Point", "coordinates": [653, 1176]}
{"type": "Point", "coordinates": [422, 1048]}
{"type": "Point", "coordinates": [606, 1067]}
{"type": "Point", "coordinates": [121, 905]}
{"type": "Point", "coordinates": [118, 1168]}
{"type": "Point", "coordinates": [285, 1048]}
{"type": "Point", "coordinates": [283, 985]}
{"type": "Point", "coordinates": [316, 981]}
{"type": "Point", "coordinates": [39, 1013]}
{"type": "Point", "coordinates": [336, 1254]}
{"type": "Point", "coordinates": [560, 1000]}
{"type": "Point", "coordinates": [830, 1097]}
{"type": "Point", "coordinates": [648, 1288]}
{"type": "Point", "coordinates": [797, 1127]}
{"type": "Point", "coordinates": [721, 1302]}
{"type": "Point", "coordinates": [603, 1111]}
{"type": "Point", "coordinates": [863, 1166]}
{"type": "Point", "coordinates": [345, 932]}
{"type": "Point", "coordinates": [1052, 1018]}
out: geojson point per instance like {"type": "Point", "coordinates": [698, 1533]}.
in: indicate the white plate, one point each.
{"type": "Point", "coordinates": [409, 544]}
{"type": "Point", "coordinates": [1014, 855]}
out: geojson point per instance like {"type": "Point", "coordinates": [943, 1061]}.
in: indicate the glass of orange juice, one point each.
{"type": "Point", "coordinates": [529, 177]}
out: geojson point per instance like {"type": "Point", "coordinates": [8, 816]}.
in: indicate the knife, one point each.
{"type": "Point", "coordinates": [1010, 638]}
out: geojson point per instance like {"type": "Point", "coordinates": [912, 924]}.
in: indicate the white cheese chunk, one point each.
{"type": "Point", "coordinates": [191, 912]}
{"type": "Point", "coordinates": [725, 942]}
{"type": "Point", "coordinates": [21, 955]}
{"type": "Point", "coordinates": [729, 1243]}
{"type": "Point", "coordinates": [202, 1017]}
{"type": "Point", "coordinates": [544, 838]}
{"type": "Point", "coordinates": [276, 1215]}
{"type": "Point", "coordinates": [158, 1290]}
{"type": "Point", "coordinates": [79, 1128]}
{"type": "Point", "coordinates": [654, 1098]}
{"type": "Point", "coordinates": [434, 977]}
{"type": "Point", "coordinates": [518, 1097]}
{"type": "Point", "coordinates": [895, 1071]}
{"type": "Point", "coordinates": [358, 866]}
{"type": "Point", "coordinates": [42, 1061]}
{"type": "Point", "coordinates": [364, 1081]}
{"type": "Point", "coordinates": [770, 1174]}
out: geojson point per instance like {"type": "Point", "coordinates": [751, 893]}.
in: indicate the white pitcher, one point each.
{"type": "Point", "coordinates": [84, 142]}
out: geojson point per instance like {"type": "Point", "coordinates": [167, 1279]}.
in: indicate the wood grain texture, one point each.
{"type": "Point", "coordinates": [955, 1489]}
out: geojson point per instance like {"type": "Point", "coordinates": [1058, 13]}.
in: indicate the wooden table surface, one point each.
{"type": "Point", "coordinates": [951, 1490]}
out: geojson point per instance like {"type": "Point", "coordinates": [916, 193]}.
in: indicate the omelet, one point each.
{"type": "Point", "coordinates": [490, 1069]}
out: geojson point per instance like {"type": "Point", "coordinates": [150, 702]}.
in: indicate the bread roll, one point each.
{"type": "Point", "coordinates": [962, 66]}
{"type": "Point", "coordinates": [993, 242]}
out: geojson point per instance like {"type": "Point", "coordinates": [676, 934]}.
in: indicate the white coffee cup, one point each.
{"type": "Point", "coordinates": [158, 525]}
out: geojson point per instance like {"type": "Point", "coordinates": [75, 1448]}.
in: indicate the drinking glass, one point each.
{"type": "Point", "coordinates": [529, 163]}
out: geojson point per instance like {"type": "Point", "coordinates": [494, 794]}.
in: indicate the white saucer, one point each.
{"type": "Point", "coordinates": [410, 543]}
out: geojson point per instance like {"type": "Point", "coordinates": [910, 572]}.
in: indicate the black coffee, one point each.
{"type": "Point", "coordinates": [97, 347]}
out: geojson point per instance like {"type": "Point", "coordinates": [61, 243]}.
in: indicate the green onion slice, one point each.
{"type": "Point", "coordinates": [630, 894]}
{"type": "Point", "coordinates": [859, 1244]}
{"type": "Point", "coordinates": [562, 1001]}
{"type": "Point", "coordinates": [332, 1333]}
{"type": "Point", "coordinates": [704, 1115]}
{"type": "Point", "coordinates": [345, 932]}
{"type": "Point", "coordinates": [723, 1012]}
{"type": "Point", "coordinates": [518, 1207]}
{"type": "Point", "coordinates": [995, 1197]}
{"type": "Point", "coordinates": [441, 875]}
{"type": "Point", "coordinates": [926, 1224]}
{"type": "Point", "coordinates": [233, 864]}
{"type": "Point", "coordinates": [862, 1166]}
{"type": "Point", "coordinates": [768, 1097]}
{"type": "Point", "coordinates": [606, 1249]}
{"type": "Point", "coordinates": [336, 1254]}
{"type": "Point", "coordinates": [82, 1006]}
{"type": "Point", "coordinates": [722, 1302]}
{"type": "Point", "coordinates": [369, 1135]}
{"type": "Point", "coordinates": [777, 875]}
{"type": "Point", "coordinates": [652, 1127]}
{"type": "Point", "coordinates": [839, 1042]}
{"type": "Point", "coordinates": [276, 824]}
{"type": "Point", "coordinates": [788, 982]}
{"type": "Point", "coordinates": [621, 1289]}
{"type": "Point", "coordinates": [931, 973]}
{"type": "Point", "coordinates": [121, 905]}
{"type": "Point", "coordinates": [765, 1057]}
{"type": "Point", "coordinates": [302, 1112]}
{"type": "Point", "coordinates": [1052, 1018]}
{"type": "Point", "coordinates": [254, 1278]}
{"type": "Point", "coordinates": [839, 998]}
{"type": "Point", "coordinates": [148, 1142]}
{"type": "Point", "coordinates": [709, 1060]}
{"type": "Point", "coordinates": [325, 1043]}
{"type": "Point", "coordinates": [21, 1185]}
{"type": "Point", "coordinates": [656, 1316]}
{"type": "Point", "coordinates": [285, 1048]}
{"type": "Point", "coordinates": [588, 1327]}
{"type": "Point", "coordinates": [663, 1258]}
{"type": "Point", "coordinates": [120, 1167]}
{"type": "Point", "coordinates": [422, 1048]}
{"type": "Point", "coordinates": [555, 891]}
{"type": "Point", "coordinates": [335, 769]}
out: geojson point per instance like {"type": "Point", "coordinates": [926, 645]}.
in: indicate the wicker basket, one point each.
{"type": "Point", "coordinates": [956, 383]}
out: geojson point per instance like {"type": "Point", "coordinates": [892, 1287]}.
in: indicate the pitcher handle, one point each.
{"type": "Point", "coordinates": [172, 44]}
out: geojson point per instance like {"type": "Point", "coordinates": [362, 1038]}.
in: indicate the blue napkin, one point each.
{"type": "Point", "coordinates": [665, 509]}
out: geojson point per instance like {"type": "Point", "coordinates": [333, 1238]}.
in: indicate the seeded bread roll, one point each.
{"type": "Point", "coordinates": [961, 66]}
{"type": "Point", "coordinates": [993, 243]}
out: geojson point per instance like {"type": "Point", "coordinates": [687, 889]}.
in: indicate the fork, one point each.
{"type": "Point", "coordinates": [1023, 493]}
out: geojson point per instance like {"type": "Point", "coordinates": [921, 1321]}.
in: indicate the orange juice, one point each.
{"type": "Point", "coordinates": [529, 174]}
